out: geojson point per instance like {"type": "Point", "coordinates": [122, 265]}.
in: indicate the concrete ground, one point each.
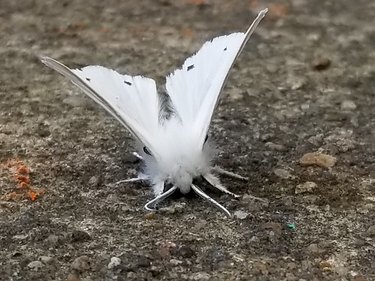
{"type": "Point", "coordinates": [305, 83]}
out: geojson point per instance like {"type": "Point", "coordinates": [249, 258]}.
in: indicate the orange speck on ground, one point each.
{"type": "Point", "coordinates": [22, 169]}
{"type": "Point", "coordinates": [197, 2]}
{"type": "Point", "coordinates": [187, 32]}
{"type": "Point", "coordinates": [20, 173]}
{"type": "Point", "coordinates": [34, 194]}
{"type": "Point", "coordinates": [275, 10]}
{"type": "Point", "coordinates": [103, 30]}
{"type": "Point", "coordinates": [12, 196]}
{"type": "Point", "coordinates": [23, 185]}
{"type": "Point", "coordinates": [23, 179]}
{"type": "Point", "coordinates": [278, 10]}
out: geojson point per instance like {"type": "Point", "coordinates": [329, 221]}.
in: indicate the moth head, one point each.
{"type": "Point", "coordinates": [181, 178]}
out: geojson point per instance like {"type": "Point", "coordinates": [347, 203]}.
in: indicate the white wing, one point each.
{"type": "Point", "coordinates": [195, 88]}
{"type": "Point", "coordinates": [132, 100]}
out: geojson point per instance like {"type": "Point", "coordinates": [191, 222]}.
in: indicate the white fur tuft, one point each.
{"type": "Point", "coordinates": [181, 160]}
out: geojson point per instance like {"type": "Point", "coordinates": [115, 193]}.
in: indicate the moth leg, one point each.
{"type": "Point", "coordinates": [141, 177]}
{"type": "Point", "coordinates": [215, 182]}
{"type": "Point", "coordinates": [203, 195]}
{"type": "Point", "coordinates": [136, 154]}
{"type": "Point", "coordinates": [150, 205]}
{"type": "Point", "coordinates": [221, 171]}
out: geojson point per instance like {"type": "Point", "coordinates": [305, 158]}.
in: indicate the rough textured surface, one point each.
{"type": "Point", "coordinates": [305, 83]}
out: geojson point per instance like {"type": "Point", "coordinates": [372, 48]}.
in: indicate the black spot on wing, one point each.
{"type": "Point", "coordinates": [128, 83]}
{"type": "Point", "coordinates": [205, 140]}
{"type": "Point", "coordinates": [146, 151]}
{"type": "Point", "coordinates": [190, 67]}
{"type": "Point", "coordinates": [88, 79]}
{"type": "Point", "coordinates": [225, 48]}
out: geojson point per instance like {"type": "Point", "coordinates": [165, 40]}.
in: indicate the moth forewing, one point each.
{"type": "Point", "coordinates": [107, 90]}
{"type": "Point", "coordinates": [196, 87]}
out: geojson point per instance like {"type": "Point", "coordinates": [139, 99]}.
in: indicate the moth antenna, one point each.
{"type": "Point", "coordinates": [255, 23]}
{"type": "Point", "coordinates": [159, 198]}
{"type": "Point", "coordinates": [215, 182]}
{"type": "Point", "coordinates": [203, 195]}
{"type": "Point", "coordinates": [252, 28]}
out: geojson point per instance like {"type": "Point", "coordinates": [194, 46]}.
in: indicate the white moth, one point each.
{"type": "Point", "coordinates": [172, 126]}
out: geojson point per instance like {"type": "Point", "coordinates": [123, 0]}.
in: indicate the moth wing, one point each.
{"type": "Point", "coordinates": [195, 88]}
{"type": "Point", "coordinates": [132, 100]}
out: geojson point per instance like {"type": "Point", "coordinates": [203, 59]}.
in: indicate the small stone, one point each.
{"type": "Point", "coordinates": [316, 140]}
{"type": "Point", "coordinates": [371, 231]}
{"type": "Point", "coordinates": [215, 257]}
{"type": "Point", "coordinates": [290, 276]}
{"type": "Point", "coordinates": [319, 159]}
{"type": "Point", "coordinates": [52, 239]}
{"type": "Point", "coordinates": [305, 106]}
{"type": "Point", "coordinates": [156, 270]}
{"type": "Point", "coordinates": [260, 268]}
{"type": "Point", "coordinates": [115, 262]}
{"type": "Point", "coordinates": [43, 130]}
{"type": "Point", "coordinates": [75, 101]}
{"type": "Point", "coordinates": [73, 276]}
{"type": "Point", "coordinates": [180, 206]}
{"type": "Point", "coordinates": [359, 278]}
{"type": "Point", "coordinates": [366, 208]}
{"type": "Point", "coordinates": [321, 63]}
{"type": "Point", "coordinates": [183, 251]}
{"type": "Point", "coordinates": [306, 187]}
{"type": "Point", "coordinates": [131, 276]}
{"type": "Point", "coordinates": [291, 266]}
{"type": "Point", "coordinates": [326, 265]}
{"type": "Point", "coordinates": [200, 276]}
{"type": "Point", "coordinates": [81, 264]}
{"type": "Point", "coordinates": [168, 210]}
{"type": "Point", "coordinates": [267, 137]}
{"type": "Point", "coordinates": [46, 259]}
{"type": "Point", "coordinates": [165, 248]}
{"type": "Point", "coordinates": [20, 237]}
{"type": "Point", "coordinates": [235, 94]}
{"type": "Point", "coordinates": [200, 224]}
{"type": "Point", "coordinates": [80, 236]}
{"type": "Point", "coordinates": [175, 262]}
{"type": "Point", "coordinates": [343, 140]}
{"type": "Point", "coordinates": [35, 265]}
{"type": "Point", "coordinates": [150, 216]}
{"type": "Point", "coordinates": [254, 240]}
{"type": "Point", "coordinates": [275, 227]}
{"type": "Point", "coordinates": [94, 181]}
{"type": "Point", "coordinates": [276, 147]}
{"type": "Point", "coordinates": [241, 214]}
{"type": "Point", "coordinates": [284, 174]}
{"type": "Point", "coordinates": [296, 83]}
{"type": "Point", "coordinates": [142, 261]}
{"type": "Point", "coordinates": [348, 105]}
{"type": "Point", "coordinates": [16, 254]}
{"type": "Point", "coordinates": [313, 249]}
